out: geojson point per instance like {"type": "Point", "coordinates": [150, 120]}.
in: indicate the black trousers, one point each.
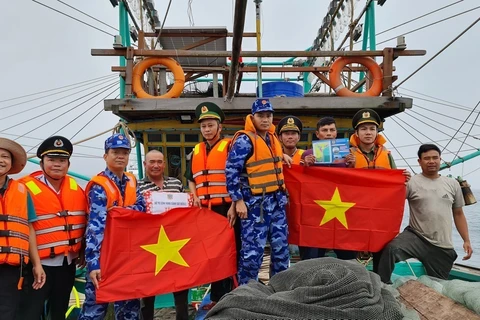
{"type": "Point", "coordinates": [56, 291]}
{"type": "Point", "coordinates": [9, 293]}
{"type": "Point", "coordinates": [181, 306]}
{"type": "Point", "coordinates": [312, 253]}
{"type": "Point", "coordinates": [437, 261]}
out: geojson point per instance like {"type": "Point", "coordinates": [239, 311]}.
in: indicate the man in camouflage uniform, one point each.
{"type": "Point", "coordinates": [263, 216]}
{"type": "Point", "coordinates": [117, 151]}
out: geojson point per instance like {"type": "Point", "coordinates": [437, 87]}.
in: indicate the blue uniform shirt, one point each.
{"type": "Point", "coordinates": [237, 185]}
{"type": "Point", "coordinates": [97, 199]}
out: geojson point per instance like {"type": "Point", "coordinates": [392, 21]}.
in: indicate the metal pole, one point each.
{"type": "Point", "coordinates": [259, 45]}
{"type": "Point", "coordinates": [238, 26]}
{"type": "Point", "coordinates": [373, 39]}
{"type": "Point", "coordinates": [215, 85]}
{"type": "Point", "coordinates": [123, 63]}
{"type": "Point", "coordinates": [247, 79]}
{"type": "Point", "coordinates": [250, 54]}
{"type": "Point", "coordinates": [459, 160]}
{"type": "Point", "coordinates": [138, 147]}
{"type": "Point", "coordinates": [125, 34]}
{"type": "Point", "coordinates": [366, 33]}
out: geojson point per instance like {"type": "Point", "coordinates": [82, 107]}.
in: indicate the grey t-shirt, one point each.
{"type": "Point", "coordinates": [431, 203]}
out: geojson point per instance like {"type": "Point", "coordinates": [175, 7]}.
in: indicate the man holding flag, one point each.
{"type": "Point", "coordinates": [156, 181]}
{"type": "Point", "coordinates": [206, 179]}
{"type": "Point", "coordinates": [433, 200]}
{"type": "Point", "coordinates": [113, 187]}
{"type": "Point", "coordinates": [256, 185]}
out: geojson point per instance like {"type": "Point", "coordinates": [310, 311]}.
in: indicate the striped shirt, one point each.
{"type": "Point", "coordinates": [170, 184]}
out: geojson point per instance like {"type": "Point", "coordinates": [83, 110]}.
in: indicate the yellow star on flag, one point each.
{"type": "Point", "coordinates": [166, 250]}
{"type": "Point", "coordinates": [335, 208]}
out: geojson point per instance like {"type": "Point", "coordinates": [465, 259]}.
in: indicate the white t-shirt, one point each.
{"type": "Point", "coordinates": [431, 203]}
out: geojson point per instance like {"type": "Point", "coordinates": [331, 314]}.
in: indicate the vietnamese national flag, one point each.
{"type": "Point", "coordinates": [144, 255]}
{"type": "Point", "coordinates": [344, 208]}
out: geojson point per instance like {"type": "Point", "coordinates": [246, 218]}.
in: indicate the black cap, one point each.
{"type": "Point", "coordinates": [209, 110]}
{"type": "Point", "coordinates": [366, 116]}
{"type": "Point", "coordinates": [55, 146]}
{"type": "Point", "coordinates": [290, 123]}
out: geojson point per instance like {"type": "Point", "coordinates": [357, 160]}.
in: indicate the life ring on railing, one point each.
{"type": "Point", "coordinates": [335, 73]}
{"type": "Point", "coordinates": [171, 64]}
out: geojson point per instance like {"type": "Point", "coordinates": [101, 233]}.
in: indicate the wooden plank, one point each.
{"type": "Point", "coordinates": [409, 306]}
{"type": "Point", "coordinates": [129, 73]}
{"type": "Point", "coordinates": [198, 75]}
{"type": "Point", "coordinates": [433, 305]}
{"type": "Point", "coordinates": [250, 54]}
{"type": "Point", "coordinates": [322, 77]}
{"type": "Point", "coordinates": [297, 69]}
{"type": "Point", "coordinates": [387, 72]}
{"type": "Point", "coordinates": [244, 103]}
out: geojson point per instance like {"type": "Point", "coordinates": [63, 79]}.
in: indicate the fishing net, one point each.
{"type": "Point", "coordinates": [463, 292]}
{"type": "Point", "coordinates": [324, 288]}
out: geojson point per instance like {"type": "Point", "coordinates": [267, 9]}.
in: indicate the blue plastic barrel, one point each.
{"type": "Point", "coordinates": [281, 89]}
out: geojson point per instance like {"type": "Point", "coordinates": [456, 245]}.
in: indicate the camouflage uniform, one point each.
{"type": "Point", "coordinates": [125, 310]}
{"type": "Point", "coordinates": [256, 231]}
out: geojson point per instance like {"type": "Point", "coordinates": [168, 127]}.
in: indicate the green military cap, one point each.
{"type": "Point", "coordinates": [366, 116]}
{"type": "Point", "coordinates": [209, 110]}
{"type": "Point", "coordinates": [290, 123]}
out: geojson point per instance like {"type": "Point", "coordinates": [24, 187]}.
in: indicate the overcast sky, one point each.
{"type": "Point", "coordinates": [44, 50]}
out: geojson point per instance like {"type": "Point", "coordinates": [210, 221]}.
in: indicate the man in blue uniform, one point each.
{"type": "Point", "coordinates": [100, 200]}
{"type": "Point", "coordinates": [255, 183]}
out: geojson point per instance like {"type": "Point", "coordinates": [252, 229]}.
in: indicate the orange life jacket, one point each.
{"type": "Point", "coordinates": [14, 229]}
{"type": "Point", "coordinates": [61, 217]}
{"type": "Point", "coordinates": [380, 160]}
{"type": "Point", "coordinates": [209, 173]}
{"type": "Point", "coordinates": [264, 167]}
{"type": "Point", "coordinates": [297, 156]}
{"type": "Point", "coordinates": [114, 196]}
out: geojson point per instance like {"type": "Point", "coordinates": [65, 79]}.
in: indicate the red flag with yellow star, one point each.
{"type": "Point", "coordinates": [344, 208]}
{"type": "Point", "coordinates": [144, 255]}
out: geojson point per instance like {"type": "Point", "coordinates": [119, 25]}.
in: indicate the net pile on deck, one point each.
{"type": "Point", "coordinates": [324, 288]}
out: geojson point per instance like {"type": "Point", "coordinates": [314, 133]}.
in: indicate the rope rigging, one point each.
{"type": "Point", "coordinates": [428, 96]}
{"type": "Point", "coordinates": [89, 121]}
{"type": "Point", "coordinates": [76, 118]}
{"type": "Point", "coordinates": [463, 125]}
{"type": "Point", "coordinates": [430, 24]}
{"type": "Point", "coordinates": [471, 127]}
{"type": "Point", "coordinates": [64, 113]}
{"type": "Point", "coordinates": [454, 106]}
{"type": "Point", "coordinates": [50, 90]}
{"type": "Point", "coordinates": [71, 17]}
{"type": "Point", "coordinates": [415, 129]}
{"type": "Point", "coordinates": [438, 122]}
{"type": "Point", "coordinates": [438, 53]}
{"type": "Point", "coordinates": [86, 14]}
{"type": "Point", "coordinates": [419, 17]}
{"type": "Point", "coordinates": [61, 98]}
{"type": "Point", "coordinates": [399, 153]}
{"type": "Point", "coordinates": [63, 106]}
{"type": "Point", "coordinates": [53, 94]}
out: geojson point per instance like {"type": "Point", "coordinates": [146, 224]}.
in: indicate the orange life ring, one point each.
{"type": "Point", "coordinates": [171, 64]}
{"type": "Point", "coordinates": [335, 73]}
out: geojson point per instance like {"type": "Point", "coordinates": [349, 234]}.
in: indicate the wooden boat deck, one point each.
{"type": "Point", "coordinates": [169, 313]}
